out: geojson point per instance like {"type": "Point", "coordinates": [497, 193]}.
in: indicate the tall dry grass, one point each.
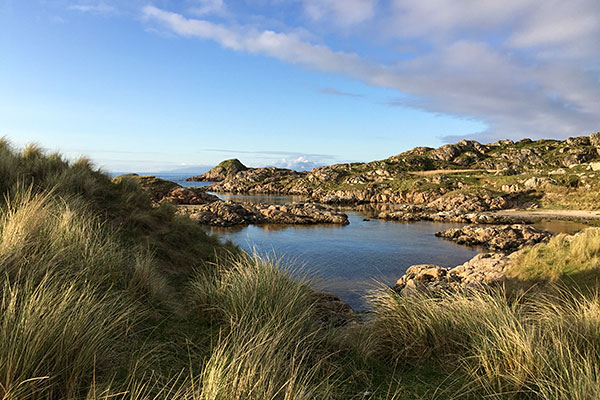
{"type": "Point", "coordinates": [66, 297]}
{"type": "Point", "coordinates": [544, 347]}
{"type": "Point", "coordinates": [571, 259]}
{"type": "Point", "coordinates": [270, 345]}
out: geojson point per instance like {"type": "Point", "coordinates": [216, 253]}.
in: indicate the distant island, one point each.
{"type": "Point", "coordinates": [454, 179]}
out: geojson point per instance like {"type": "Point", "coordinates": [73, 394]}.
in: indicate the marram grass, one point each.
{"type": "Point", "coordinates": [540, 347]}
{"type": "Point", "coordinates": [104, 297]}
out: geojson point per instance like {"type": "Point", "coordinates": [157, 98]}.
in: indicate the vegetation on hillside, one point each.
{"type": "Point", "coordinates": [103, 296]}
{"type": "Point", "coordinates": [544, 173]}
{"type": "Point", "coordinates": [223, 170]}
{"type": "Point", "coordinates": [574, 260]}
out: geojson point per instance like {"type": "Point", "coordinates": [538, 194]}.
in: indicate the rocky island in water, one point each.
{"type": "Point", "coordinates": [495, 189]}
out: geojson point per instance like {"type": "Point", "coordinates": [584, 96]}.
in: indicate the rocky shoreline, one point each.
{"type": "Point", "coordinates": [208, 209]}
{"type": "Point", "coordinates": [481, 271]}
{"type": "Point", "coordinates": [496, 237]}
{"type": "Point", "coordinates": [468, 175]}
{"type": "Point", "coordinates": [484, 269]}
{"type": "Point", "coordinates": [227, 213]}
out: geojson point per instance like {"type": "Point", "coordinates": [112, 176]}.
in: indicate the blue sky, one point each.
{"type": "Point", "coordinates": [150, 86]}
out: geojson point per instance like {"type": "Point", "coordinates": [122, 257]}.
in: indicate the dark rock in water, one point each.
{"type": "Point", "coordinates": [496, 237]}
{"type": "Point", "coordinates": [332, 311]}
{"type": "Point", "coordinates": [224, 170]}
{"type": "Point", "coordinates": [222, 213]}
{"type": "Point", "coordinates": [413, 213]}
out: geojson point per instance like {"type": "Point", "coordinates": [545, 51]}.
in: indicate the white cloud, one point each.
{"type": "Point", "coordinates": [298, 164]}
{"type": "Point", "coordinates": [283, 46]}
{"type": "Point", "coordinates": [344, 12]}
{"type": "Point", "coordinates": [208, 7]}
{"type": "Point", "coordinates": [97, 8]}
{"type": "Point", "coordinates": [529, 82]}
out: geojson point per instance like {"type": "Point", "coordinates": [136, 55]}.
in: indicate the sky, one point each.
{"type": "Point", "coordinates": [165, 85]}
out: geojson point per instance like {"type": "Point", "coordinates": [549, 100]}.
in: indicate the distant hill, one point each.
{"type": "Point", "coordinates": [224, 170]}
{"type": "Point", "coordinates": [424, 174]}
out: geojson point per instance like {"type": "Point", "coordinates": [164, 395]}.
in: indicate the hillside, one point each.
{"type": "Point", "coordinates": [222, 171]}
{"type": "Point", "coordinates": [547, 173]}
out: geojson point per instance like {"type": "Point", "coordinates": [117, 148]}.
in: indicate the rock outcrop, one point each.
{"type": "Point", "coordinates": [427, 176]}
{"type": "Point", "coordinates": [483, 269]}
{"type": "Point", "coordinates": [224, 214]}
{"type": "Point", "coordinates": [331, 311]}
{"type": "Point", "coordinates": [161, 190]}
{"type": "Point", "coordinates": [224, 170]}
{"type": "Point", "coordinates": [496, 237]}
{"type": "Point", "coordinates": [269, 180]}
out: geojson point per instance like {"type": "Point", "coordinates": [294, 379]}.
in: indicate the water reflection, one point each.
{"type": "Point", "coordinates": [261, 198]}
{"type": "Point", "coordinates": [568, 227]}
{"type": "Point", "coordinates": [348, 259]}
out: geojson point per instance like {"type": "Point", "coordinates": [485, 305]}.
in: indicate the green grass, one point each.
{"type": "Point", "coordinates": [542, 347]}
{"type": "Point", "coordinates": [103, 296]}
{"type": "Point", "coordinates": [570, 259]}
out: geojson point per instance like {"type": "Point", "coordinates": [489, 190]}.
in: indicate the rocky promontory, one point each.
{"type": "Point", "coordinates": [210, 210]}
{"type": "Point", "coordinates": [227, 213]}
{"type": "Point", "coordinates": [466, 176]}
{"type": "Point", "coordinates": [496, 237]}
{"type": "Point", "coordinates": [161, 191]}
{"type": "Point", "coordinates": [269, 180]}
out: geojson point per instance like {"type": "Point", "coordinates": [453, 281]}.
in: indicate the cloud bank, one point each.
{"type": "Point", "coordinates": [523, 67]}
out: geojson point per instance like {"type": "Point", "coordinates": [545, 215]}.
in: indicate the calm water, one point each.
{"type": "Point", "coordinates": [181, 180]}
{"type": "Point", "coordinates": [347, 260]}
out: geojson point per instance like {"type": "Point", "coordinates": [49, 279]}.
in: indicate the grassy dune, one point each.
{"type": "Point", "coordinates": [103, 296]}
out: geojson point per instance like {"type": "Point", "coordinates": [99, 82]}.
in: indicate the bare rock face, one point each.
{"type": "Point", "coordinates": [223, 213]}
{"type": "Point", "coordinates": [269, 180]}
{"type": "Point", "coordinates": [450, 152]}
{"type": "Point", "coordinates": [496, 237]}
{"type": "Point", "coordinates": [469, 203]}
{"type": "Point", "coordinates": [595, 139]}
{"type": "Point", "coordinates": [482, 270]}
{"type": "Point", "coordinates": [228, 213]}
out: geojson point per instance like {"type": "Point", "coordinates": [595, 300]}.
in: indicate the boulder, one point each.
{"type": "Point", "coordinates": [496, 237]}
{"type": "Point", "coordinates": [228, 213]}
{"type": "Point", "coordinates": [482, 270]}
{"type": "Point", "coordinates": [331, 311]}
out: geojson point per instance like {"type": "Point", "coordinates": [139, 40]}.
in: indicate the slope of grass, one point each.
{"type": "Point", "coordinates": [545, 347]}
{"type": "Point", "coordinates": [103, 296]}
{"type": "Point", "coordinates": [573, 260]}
